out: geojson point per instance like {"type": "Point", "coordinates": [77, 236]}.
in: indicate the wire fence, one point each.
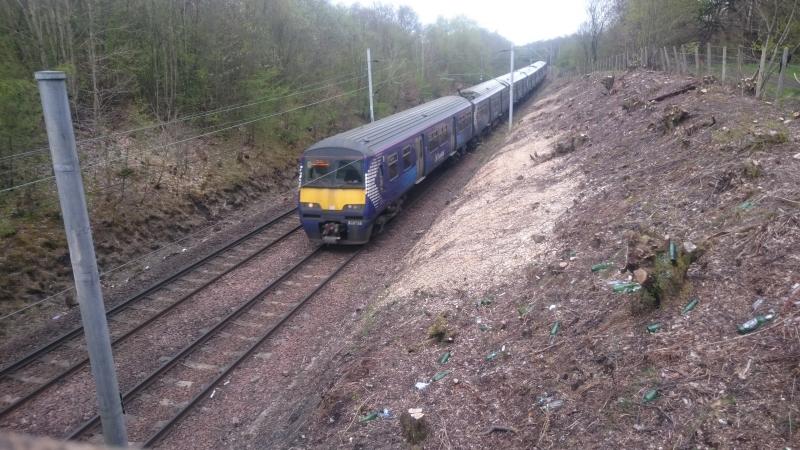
{"type": "Point", "coordinates": [770, 75]}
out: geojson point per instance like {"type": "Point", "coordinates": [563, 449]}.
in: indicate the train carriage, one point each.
{"type": "Point", "coordinates": [488, 99]}
{"type": "Point", "coordinates": [352, 181]}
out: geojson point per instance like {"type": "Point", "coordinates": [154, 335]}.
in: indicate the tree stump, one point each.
{"type": "Point", "coordinates": [414, 426]}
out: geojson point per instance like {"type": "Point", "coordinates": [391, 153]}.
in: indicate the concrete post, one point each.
{"type": "Point", "coordinates": [708, 58]}
{"type": "Point", "coordinates": [60, 135]}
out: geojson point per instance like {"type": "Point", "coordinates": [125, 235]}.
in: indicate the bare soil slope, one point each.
{"type": "Point", "coordinates": [470, 317]}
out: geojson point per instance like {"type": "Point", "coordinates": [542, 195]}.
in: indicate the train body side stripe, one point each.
{"type": "Point", "coordinates": [330, 199]}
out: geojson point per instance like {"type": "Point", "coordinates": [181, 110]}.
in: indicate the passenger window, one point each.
{"type": "Point", "coordinates": [391, 161]}
{"type": "Point", "coordinates": [463, 122]}
{"type": "Point", "coordinates": [408, 161]}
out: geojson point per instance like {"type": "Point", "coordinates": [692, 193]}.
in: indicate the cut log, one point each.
{"type": "Point", "coordinates": [683, 90]}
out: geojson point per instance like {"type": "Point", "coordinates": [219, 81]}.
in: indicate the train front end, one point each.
{"type": "Point", "coordinates": [332, 200]}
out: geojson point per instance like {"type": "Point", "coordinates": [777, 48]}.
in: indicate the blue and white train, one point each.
{"type": "Point", "coordinates": [354, 181]}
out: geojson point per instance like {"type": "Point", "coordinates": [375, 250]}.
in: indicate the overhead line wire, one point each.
{"type": "Point", "coordinates": [200, 114]}
{"type": "Point", "coordinates": [225, 128]}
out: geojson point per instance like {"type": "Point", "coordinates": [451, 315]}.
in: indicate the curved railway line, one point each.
{"type": "Point", "coordinates": [142, 310]}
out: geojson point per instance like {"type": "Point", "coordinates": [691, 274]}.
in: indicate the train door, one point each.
{"type": "Point", "coordinates": [454, 134]}
{"type": "Point", "coordinates": [418, 149]}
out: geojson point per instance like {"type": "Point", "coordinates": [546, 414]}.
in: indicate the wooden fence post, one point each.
{"type": "Point", "coordinates": [761, 67]}
{"type": "Point", "coordinates": [677, 61]}
{"type": "Point", "coordinates": [724, 62]}
{"type": "Point", "coordinates": [739, 59]}
{"type": "Point", "coordinates": [697, 61]}
{"type": "Point", "coordinates": [784, 62]}
{"type": "Point", "coordinates": [683, 57]}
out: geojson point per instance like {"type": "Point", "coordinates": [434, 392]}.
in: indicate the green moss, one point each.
{"type": "Point", "coordinates": [666, 280]}
{"type": "Point", "coordinates": [751, 170]}
{"type": "Point", "coordinates": [438, 330]}
{"type": "Point", "coordinates": [7, 229]}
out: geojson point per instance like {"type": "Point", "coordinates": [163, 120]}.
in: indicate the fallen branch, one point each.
{"type": "Point", "coordinates": [500, 428]}
{"type": "Point", "coordinates": [660, 411]}
{"type": "Point", "coordinates": [683, 90]}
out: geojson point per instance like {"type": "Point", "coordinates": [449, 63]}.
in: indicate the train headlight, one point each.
{"type": "Point", "coordinates": [311, 205]}
{"type": "Point", "coordinates": [353, 207]}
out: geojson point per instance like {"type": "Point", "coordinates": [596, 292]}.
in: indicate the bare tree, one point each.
{"type": "Point", "coordinates": [777, 20]}
{"type": "Point", "coordinates": [597, 10]}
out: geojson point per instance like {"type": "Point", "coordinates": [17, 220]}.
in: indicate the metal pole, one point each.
{"type": "Point", "coordinates": [58, 121]}
{"type": "Point", "coordinates": [511, 93]}
{"type": "Point", "coordinates": [369, 78]}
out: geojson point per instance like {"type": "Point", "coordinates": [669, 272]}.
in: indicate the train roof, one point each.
{"type": "Point", "coordinates": [370, 138]}
{"type": "Point", "coordinates": [521, 73]}
{"type": "Point", "coordinates": [483, 90]}
{"type": "Point", "coordinates": [518, 75]}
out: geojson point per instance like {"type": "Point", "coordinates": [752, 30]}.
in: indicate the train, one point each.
{"type": "Point", "coordinates": [354, 182]}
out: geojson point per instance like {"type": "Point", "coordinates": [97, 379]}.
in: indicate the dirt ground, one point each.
{"type": "Point", "coordinates": [510, 256]}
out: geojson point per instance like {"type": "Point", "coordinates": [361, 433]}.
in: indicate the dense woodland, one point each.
{"type": "Point", "coordinates": [150, 61]}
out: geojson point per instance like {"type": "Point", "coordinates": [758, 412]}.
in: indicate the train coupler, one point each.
{"type": "Point", "coordinates": [332, 232]}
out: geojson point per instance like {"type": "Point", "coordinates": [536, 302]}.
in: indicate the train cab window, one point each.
{"type": "Point", "coordinates": [408, 159]}
{"type": "Point", "coordinates": [391, 162]}
{"type": "Point", "coordinates": [323, 172]}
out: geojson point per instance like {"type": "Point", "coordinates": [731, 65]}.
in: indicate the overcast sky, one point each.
{"type": "Point", "coordinates": [521, 21]}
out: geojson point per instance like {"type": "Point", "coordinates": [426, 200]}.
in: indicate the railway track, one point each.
{"type": "Point", "coordinates": [207, 361]}
{"type": "Point", "coordinates": [46, 366]}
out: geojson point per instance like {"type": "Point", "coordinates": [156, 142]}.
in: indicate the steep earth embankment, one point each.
{"type": "Point", "coordinates": [499, 332]}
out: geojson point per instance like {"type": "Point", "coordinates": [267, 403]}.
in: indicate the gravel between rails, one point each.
{"type": "Point", "coordinates": [64, 356]}
{"type": "Point", "coordinates": [71, 402]}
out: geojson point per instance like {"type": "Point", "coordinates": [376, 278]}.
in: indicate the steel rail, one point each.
{"type": "Point", "coordinates": [74, 367]}
{"type": "Point", "coordinates": [30, 357]}
{"type": "Point", "coordinates": [153, 376]}
{"type": "Point", "coordinates": [202, 395]}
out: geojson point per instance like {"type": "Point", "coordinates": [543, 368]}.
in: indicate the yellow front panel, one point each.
{"type": "Point", "coordinates": [332, 199]}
